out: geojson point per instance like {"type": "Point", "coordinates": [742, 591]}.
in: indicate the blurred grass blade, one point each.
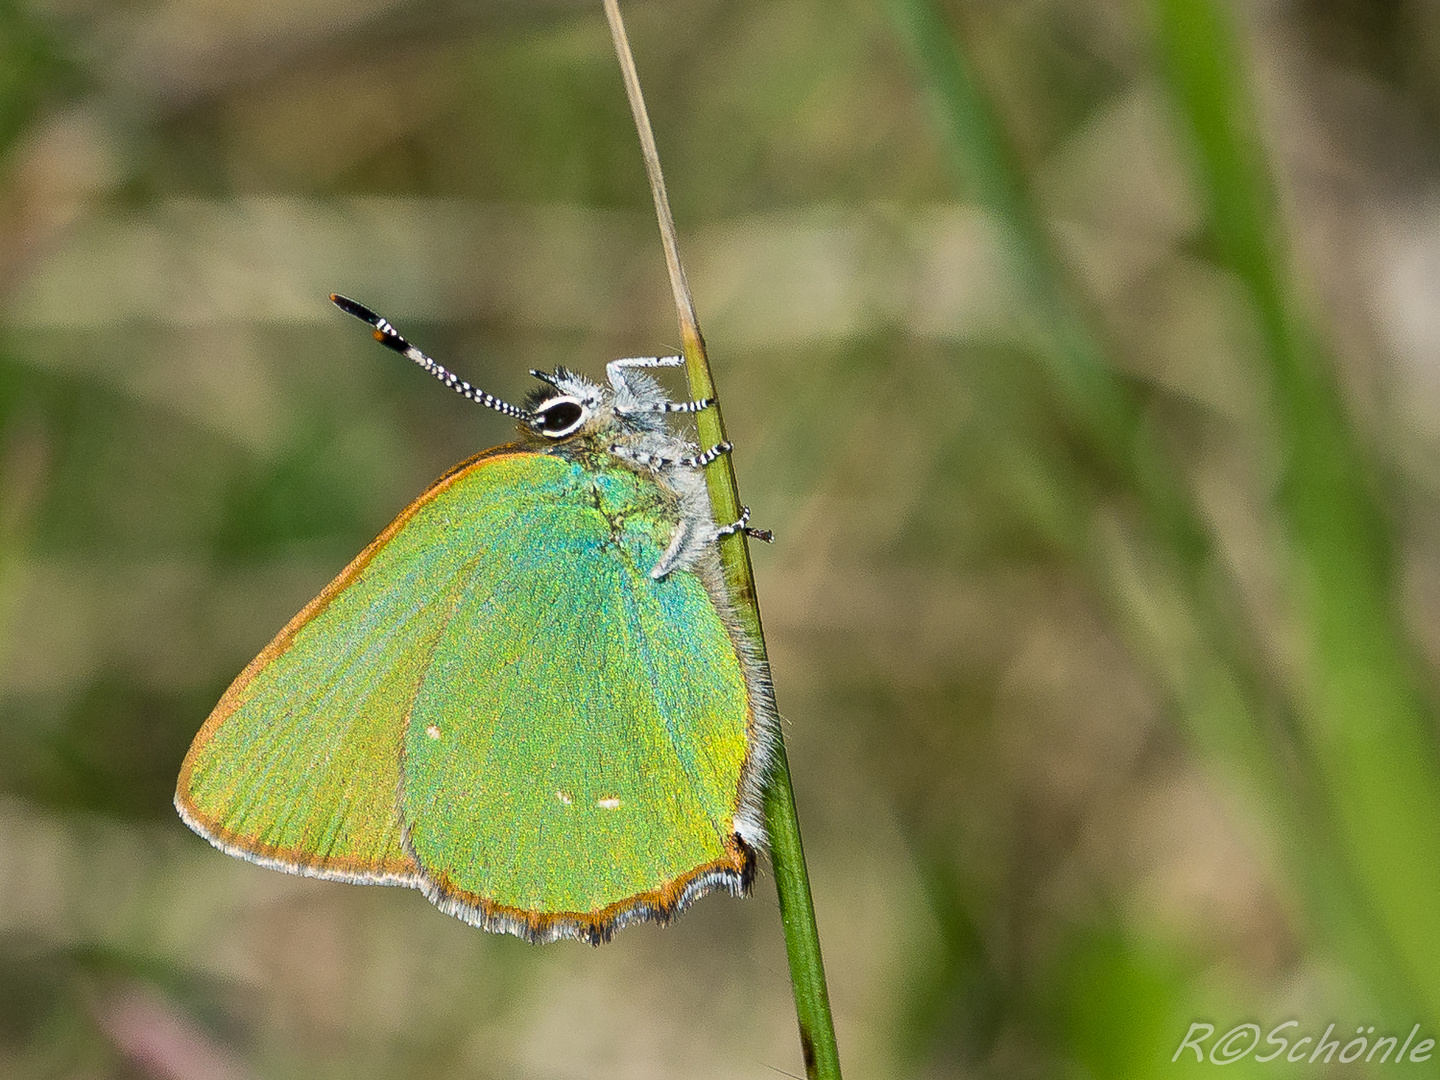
{"type": "Point", "coordinates": [1370, 729]}
{"type": "Point", "coordinates": [1099, 405]}
{"type": "Point", "coordinates": [979, 153]}
{"type": "Point", "coordinates": [1157, 573]}
{"type": "Point", "coordinates": [787, 855]}
{"type": "Point", "coordinates": [31, 68]}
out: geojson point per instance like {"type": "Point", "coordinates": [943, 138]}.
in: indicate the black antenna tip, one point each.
{"type": "Point", "coordinates": [351, 307]}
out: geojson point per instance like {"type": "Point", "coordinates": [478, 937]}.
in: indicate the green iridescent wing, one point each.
{"type": "Point", "coordinates": [497, 704]}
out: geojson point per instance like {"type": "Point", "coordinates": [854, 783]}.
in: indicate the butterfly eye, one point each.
{"type": "Point", "coordinates": [561, 416]}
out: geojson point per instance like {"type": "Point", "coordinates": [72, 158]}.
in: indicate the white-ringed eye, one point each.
{"type": "Point", "coordinates": [560, 416]}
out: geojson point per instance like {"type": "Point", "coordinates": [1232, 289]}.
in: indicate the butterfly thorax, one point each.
{"type": "Point", "coordinates": [617, 432]}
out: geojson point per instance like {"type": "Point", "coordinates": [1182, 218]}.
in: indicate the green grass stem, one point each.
{"type": "Point", "coordinates": [787, 855]}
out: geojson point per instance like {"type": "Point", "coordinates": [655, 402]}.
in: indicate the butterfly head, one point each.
{"type": "Point", "coordinates": [570, 405]}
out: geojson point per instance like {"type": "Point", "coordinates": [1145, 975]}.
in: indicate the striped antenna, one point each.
{"type": "Point", "coordinates": [388, 336]}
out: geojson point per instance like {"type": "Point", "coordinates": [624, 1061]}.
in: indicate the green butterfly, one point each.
{"type": "Point", "coordinates": [529, 698]}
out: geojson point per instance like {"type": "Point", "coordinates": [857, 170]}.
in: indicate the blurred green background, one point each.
{"type": "Point", "coordinates": [1082, 354]}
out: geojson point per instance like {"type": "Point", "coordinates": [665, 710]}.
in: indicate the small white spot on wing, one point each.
{"type": "Point", "coordinates": [564, 797]}
{"type": "Point", "coordinates": [432, 731]}
{"type": "Point", "coordinates": [608, 803]}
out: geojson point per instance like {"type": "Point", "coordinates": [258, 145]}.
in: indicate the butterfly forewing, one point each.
{"type": "Point", "coordinates": [299, 765]}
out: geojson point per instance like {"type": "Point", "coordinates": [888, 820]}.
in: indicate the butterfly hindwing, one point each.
{"type": "Point", "coordinates": [576, 748]}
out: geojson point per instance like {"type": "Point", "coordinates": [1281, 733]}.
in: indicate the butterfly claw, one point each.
{"type": "Point", "coordinates": [743, 526]}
